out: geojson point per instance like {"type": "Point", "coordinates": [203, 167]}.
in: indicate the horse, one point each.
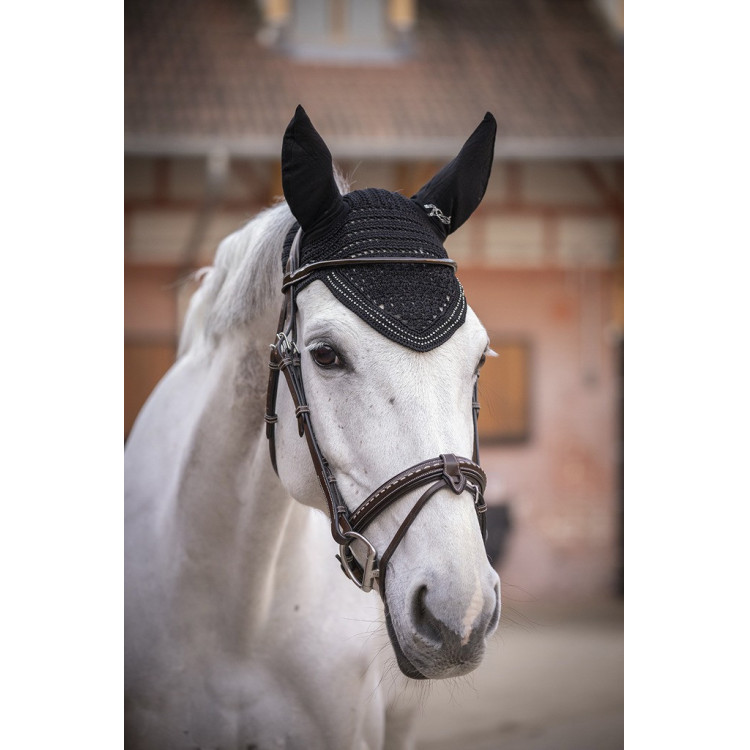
{"type": "Point", "coordinates": [266, 496]}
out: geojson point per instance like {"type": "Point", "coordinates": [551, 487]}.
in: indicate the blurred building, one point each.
{"type": "Point", "coordinates": [395, 87]}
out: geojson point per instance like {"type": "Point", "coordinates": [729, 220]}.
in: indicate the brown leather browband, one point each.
{"type": "Point", "coordinates": [305, 271]}
{"type": "Point", "coordinates": [456, 473]}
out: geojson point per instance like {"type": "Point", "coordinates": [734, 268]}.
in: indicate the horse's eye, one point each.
{"type": "Point", "coordinates": [482, 360]}
{"type": "Point", "coordinates": [325, 356]}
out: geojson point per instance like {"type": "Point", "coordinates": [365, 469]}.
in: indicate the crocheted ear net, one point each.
{"type": "Point", "coordinates": [418, 306]}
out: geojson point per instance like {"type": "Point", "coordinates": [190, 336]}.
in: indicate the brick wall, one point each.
{"type": "Point", "coordinates": [541, 262]}
{"type": "Point", "coordinates": [560, 482]}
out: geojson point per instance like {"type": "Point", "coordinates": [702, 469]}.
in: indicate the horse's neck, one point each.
{"type": "Point", "coordinates": [214, 511]}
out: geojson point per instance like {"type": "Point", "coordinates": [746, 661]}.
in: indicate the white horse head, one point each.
{"type": "Point", "coordinates": [383, 407]}
{"type": "Point", "coordinates": [222, 545]}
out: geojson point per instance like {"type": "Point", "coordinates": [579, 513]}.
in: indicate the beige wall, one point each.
{"type": "Point", "coordinates": [561, 483]}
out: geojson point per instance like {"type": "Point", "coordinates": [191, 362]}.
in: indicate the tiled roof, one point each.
{"type": "Point", "coordinates": [197, 76]}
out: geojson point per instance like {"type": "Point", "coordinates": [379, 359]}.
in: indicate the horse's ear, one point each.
{"type": "Point", "coordinates": [307, 175]}
{"type": "Point", "coordinates": [451, 196]}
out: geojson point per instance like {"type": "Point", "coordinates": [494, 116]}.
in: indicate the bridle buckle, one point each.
{"type": "Point", "coordinates": [284, 345]}
{"type": "Point", "coordinates": [481, 508]}
{"type": "Point", "coordinates": [362, 576]}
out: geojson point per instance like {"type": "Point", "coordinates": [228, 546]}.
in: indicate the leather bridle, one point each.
{"type": "Point", "coordinates": [447, 470]}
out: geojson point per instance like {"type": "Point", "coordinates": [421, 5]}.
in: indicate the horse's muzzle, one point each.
{"type": "Point", "coordinates": [428, 648]}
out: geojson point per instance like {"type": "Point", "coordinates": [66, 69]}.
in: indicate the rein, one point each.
{"type": "Point", "coordinates": [456, 473]}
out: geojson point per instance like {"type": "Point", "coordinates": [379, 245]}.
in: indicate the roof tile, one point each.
{"type": "Point", "coordinates": [547, 69]}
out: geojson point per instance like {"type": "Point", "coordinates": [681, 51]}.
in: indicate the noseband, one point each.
{"type": "Point", "coordinates": [455, 473]}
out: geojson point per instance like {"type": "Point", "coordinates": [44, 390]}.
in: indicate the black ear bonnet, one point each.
{"type": "Point", "coordinates": [414, 305]}
{"type": "Point", "coordinates": [419, 306]}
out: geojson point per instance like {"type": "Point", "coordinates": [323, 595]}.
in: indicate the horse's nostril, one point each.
{"type": "Point", "coordinates": [425, 623]}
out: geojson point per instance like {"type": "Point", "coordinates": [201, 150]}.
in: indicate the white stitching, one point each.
{"type": "Point", "coordinates": [392, 483]}
{"type": "Point", "coordinates": [414, 338]}
{"type": "Point", "coordinates": [360, 511]}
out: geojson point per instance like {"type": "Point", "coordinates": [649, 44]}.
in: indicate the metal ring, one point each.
{"type": "Point", "coordinates": [369, 572]}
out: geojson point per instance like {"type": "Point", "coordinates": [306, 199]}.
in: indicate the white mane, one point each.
{"type": "Point", "coordinates": [243, 279]}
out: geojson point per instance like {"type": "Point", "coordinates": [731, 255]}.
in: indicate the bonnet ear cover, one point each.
{"type": "Point", "coordinates": [416, 305]}
{"type": "Point", "coordinates": [458, 188]}
{"type": "Point", "coordinates": [307, 176]}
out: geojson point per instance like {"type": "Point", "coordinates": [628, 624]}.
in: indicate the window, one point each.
{"type": "Point", "coordinates": [340, 30]}
{"type": "Point", "coordinates": [504, 392]}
